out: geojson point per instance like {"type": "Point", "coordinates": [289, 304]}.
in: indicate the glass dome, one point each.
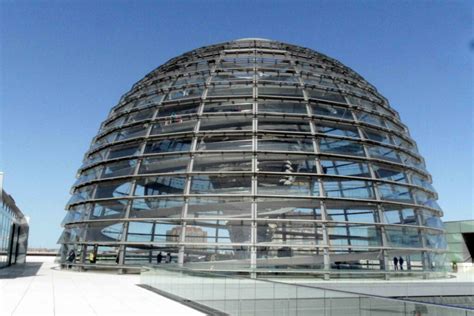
{"type": "Point", "coordinates": [254, 155]}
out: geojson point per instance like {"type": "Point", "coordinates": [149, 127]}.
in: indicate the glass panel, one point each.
{"type": "Point", "coordinates": [398, 141]}
{"type": "Point", "coordinates": [403, 237]}
{"type": "Point", "coordinates": [354, 189]}
{"type": "Point", "coordinates": [393, 192]}
{"type": "Point", "coordinates": [337, 130]}
{"type": "Point", "coordinates": [366, 104]}
{"type": "Point", "coordinates": [161, 185]}
{"type": "Point", "coordinates": [89, 175]}
{"type": "Point", "coordinates": [224, 143]}
{"type": "Point", "coordinates": [404, 216]}
{"type": "Point", "coordinates": [71, 234]}
{"type": "Point", "coordinates": [174, 124]}
{"type": "Point", "coordinates": [156, 208]}
{"type": "Point", "coordinates": [82, 194]}
{"type": "Point", "coordinates": [119, 168]}
{"type": "Point", "coordinates": [218, 231]}
{"type": "Point", "coordinates": [296, 233]}
{"type": "Point", "coordinates": [377, 136]}
{"type": "Point", "coordinates": [104, 231]}
{"type": "Point", "coordinates": [430, 219]}
{"type": "Point", "coordinates": [325, 95]}
{"type": "Point", "coordinates": [103, 140]}
{"type": "Point", "coordinates": [235, 76]}
{"type": "Point", "coordinates": [394, 126]}
{"type": "Point", "coordinates": [112, 189]}
{"type": "Point", "coordinates": [287, 125]}
{"type": "Point", "coordinates": [435, 241]}
{"type": "Point", "coordinates": [370, 119]}
{"type": "Point", "coordinates": [288, 185]}
{"type": "Point", "coordinates": [388, 173]}
{"type": "Point", "coordinates": [75, 213]}
{"type": "Point", "coordinates": [140, 115]}
{"type": "Point", "coordinates": [189, 92]}
{"type": "Point", "coordinates": [154, 99]}
{"type": "Point", "coordinates": [281, 107]}
{"type": "Point", "coordinates": [168, 163]}
{"type": "Point", "coordinates": [114, 123]}
{"type": "Point", "coordinates": [289, 91]}
{"type": "Point", "coordinates": [176, 110]}
{"type": "Point", "coordinates": [412, 260]}
{"type": "Point", "coordinates": [352, 213]}
{"type": "Point", "coordinates": [321, 109]}
{"type": "Point", "coordinates": [412, 161]}
{"type": "Point", "coordinates": [133, 131]}
{"type": "Point", "coordinates": [220, 184]}
{"type": "Point", "coordinates": [384, 153]}
{"type": "Point", "coordinates": [95, 157]}
{"type": "Point", "coordinates": [286, 163]}
{"type": "Point", "coordinates": [356, 235]}
{"type": "Point", "coordinates": [228, 106]}
{"type": "Point", "coordinates": [319, 81]}
{"type": "Point", "coordinates": [155, 231]}
{"type": "Point", "coordinates": [278, 143]}
{"type": "Point", "coordinates": [271, 76]}
{"type": "Point", "coordinates": [109, 209]}
{"type": "Point", "coordinates": [284, 257]}
{"type": "Point", "coordinates": [424, 198]}
{"type": "Point", "coordinates": [273, 63]}
{"type": "Point", "coordinates": [124, 150]}
{"type": "Point", "coordinates": [345, 168]}
{"type": "Point", "coordinates": [217, 256]}
{"type": "Point", "coordinates": [288, 209]}
{"type": "Point", "coordinates": [230, 123]}
{"type": "Point", "coordinates": [106, 255]}
{"type": "Point", "coordinates": [230, 90]}
{"type": "Point", "coordinates": [421, 181]}
{"type": "Point", "coordinates": [168, 145]}
{"type": "Point", "coordinates": [190, 80]}
{"type": "Point", "coordinates": [341, 147]}
{"type": "Point", "coordinates": [237, 63]}
{"type": "Point", "coordinates": [219, 207]}
{"type": "Point", "coordinates": [222, 162]}
{"type": "Point", "coordinates": [140, 256]}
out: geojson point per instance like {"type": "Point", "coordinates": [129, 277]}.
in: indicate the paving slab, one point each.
{"type": "Point", "coordinates": [39, 287]}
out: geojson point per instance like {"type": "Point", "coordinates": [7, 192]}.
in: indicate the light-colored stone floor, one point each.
{"type": "Point", "coordinates": [41, 288]}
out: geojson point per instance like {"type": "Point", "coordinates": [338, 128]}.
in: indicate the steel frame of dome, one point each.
{"type": "Point", "coordinates": [255, 155]}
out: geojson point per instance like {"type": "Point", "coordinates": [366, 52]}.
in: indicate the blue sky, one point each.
{"type": "Point", "coordinates": [64, 64]}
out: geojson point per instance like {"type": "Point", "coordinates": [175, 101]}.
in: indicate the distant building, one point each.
{"type": "Point", "coordinates": [460, 238]}
{"type": "Point", "coordinates": [13, 230]}
{"type": "Point", "coordinates": [193, 234]}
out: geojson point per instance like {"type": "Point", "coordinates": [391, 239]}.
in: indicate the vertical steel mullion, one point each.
{"type": "Point", "coordinates": [189, 169]}
{"type": "Point", "coordinates": [380, 212]}
{"type": "Point", "coordinates": [253, 230]}
{"type": "Point", "coordinates": [425, 258]}
{"type": "Point", "coordinates": [322, 205]}
{"type": "Point", "coordinates": [126, 217]}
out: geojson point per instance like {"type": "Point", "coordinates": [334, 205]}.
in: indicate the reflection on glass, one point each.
{"type": "Point", "coordinates": [341, 147]}
{"type": "Point", "coordinates": [288, 184]}
{"type": "Point", "coordinates": [220, 184]}
{"type": "Point", "coordinates": [168, 145]}
{"type": "Point", "coordinates": [282, 143]}
{"type": "Point", "coordinates": [162, 185]}
{"type": "Point", "coordinates": [353, 189]}
{"type": "Point", "coordinates": [345, 168]}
